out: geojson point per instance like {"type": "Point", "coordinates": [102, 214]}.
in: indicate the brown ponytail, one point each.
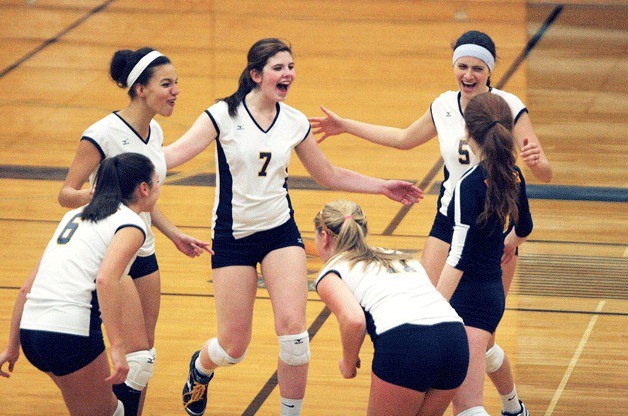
{"type": "Point", "coordinates": [489, 122]}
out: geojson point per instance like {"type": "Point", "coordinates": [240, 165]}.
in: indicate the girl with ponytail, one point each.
{"type": "Point", "coordinates": [473, 60]}
{"type": "Point", "coordinates": [490, 217]}
{"type": "Point", "coordinates": [152, 87]}
{"type": "Point", "coordinates": [59, 310]}
{"type": "Point", "coordinates": [253, 222]}
{"type": "Point", "coordinates": [421, 349]}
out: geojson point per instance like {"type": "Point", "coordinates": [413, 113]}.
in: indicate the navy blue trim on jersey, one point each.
{"type": "Point", "coordinates": [95, 321]}
{"type": "Point", "coordinates": [441, 192]}
{"type": "Point", "coordinates": [519, 114]}
{"type": "Point", "coordinates": [92, 141]}
{"type": "Point", "coordinates": [133, 226]}
{"type": "Point", "coordinates": [224, 211]}
{"type": "Point", "coordinates": [115, 113]}
{"type": "Point", "coordinates": [309, 129]}
{"type": "Point", "coordinates": [214, 123]}
{"type": "Point", "coordinates": [460, 105]}
{"type": "Point", "coordinates": [325, 275]}
{"type": "Point", "coordinates": [277, 107]}
{"type": "Point", "coordinates": [285, 186]}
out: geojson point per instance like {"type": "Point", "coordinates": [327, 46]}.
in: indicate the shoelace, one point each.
{"type": "Point", "coordinates": [196, 394]}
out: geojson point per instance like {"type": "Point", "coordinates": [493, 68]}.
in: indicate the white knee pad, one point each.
{"type": "Point", "coordinates": [119, 410]}
{"type": "Point", "coordinates": [474, 411]}
{"type": "Point", "coordinates": [141, 365]}
{"type": "Point", "coordinates": [295, 349]}
{"type": "Point", "coordinates": [219, 356]}
{"type": "Point", "coordinates": [494, 359]}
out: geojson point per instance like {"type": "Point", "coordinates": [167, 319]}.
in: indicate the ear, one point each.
{"type": "Point", "coordinates": [143, 189]}
{"type": "Point", "coordinates": [255, 76]}
{"type": "Point", "coordinates": [139, 90]}
{"type": "Point", "coordinates": [326, 239]}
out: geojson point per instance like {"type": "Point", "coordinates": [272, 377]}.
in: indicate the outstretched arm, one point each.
{"type": "Point", "coordinates": [193, 142]}
{"type": "Point", "coordinates": [419, 132]}
{"type": "Point", "coordinates": [342, 179]}
{"type": "Point", "coordinates": [190, 246]}
{"type": "Point", "coordinates": [12, 352]}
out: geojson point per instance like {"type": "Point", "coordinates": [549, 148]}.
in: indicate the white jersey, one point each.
{"type": "Point", "coordinates": [452, 136]}
{"type": "Point", "coordinates": [64, 289]}
{"type": "Point", "coordinates": [113, 136]}
{"type": "Point", "coordinates": [252, 173]}
{"type": "Point", "coordinates": [392, 297]}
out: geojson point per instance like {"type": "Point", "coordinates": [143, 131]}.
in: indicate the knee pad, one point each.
{"type": "Point", "coordinates": [119, 410]}
{"type": "Point", "coordinates": [474, 411]}
{"type": "Point", "coordinates": [295, 349]}
{"type": "Point", "coordinates": [494, 359]}
{"type": "Point", "coordinates": [219, 356]}
{"type": "Point", "coordinates": [141, 365]}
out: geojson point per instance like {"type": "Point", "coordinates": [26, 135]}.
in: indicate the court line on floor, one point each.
{"type": "Point", "coordinates": [574, 360]}
{"type": "Point", "coordinates": [55, 38]}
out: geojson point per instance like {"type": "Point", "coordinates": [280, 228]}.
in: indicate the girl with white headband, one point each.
{"type": "Point", "coordinates": [473, 63]}
{"type": "Point", "coordinates": [151, 80]}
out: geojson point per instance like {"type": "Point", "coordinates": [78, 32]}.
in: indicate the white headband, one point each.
{"type": "Point", "coordinates": [476, 51]}
{"type": "Point", "coordinates": [140, 66]}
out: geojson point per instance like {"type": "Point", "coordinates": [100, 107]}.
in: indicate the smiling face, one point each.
{"type": "Point", "coordinates": [161, 91]}
{"type": "Point", "coordinates": [472, 76]}
{"type": "Point", "coordinates": [276, 77]}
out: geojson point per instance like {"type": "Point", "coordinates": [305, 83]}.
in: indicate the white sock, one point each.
{"type": "Point", "coordinates": [199, 367]}
{"type": "Point", "coordinates": [510, 402]}
{"type": "Point", "coordinates": [474, 411]}
{"type": "Point", "coordinates": [291, 407]}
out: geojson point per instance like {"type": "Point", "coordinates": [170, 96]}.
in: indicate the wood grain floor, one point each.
{"type": "Point", "coordinates": [378, 61]}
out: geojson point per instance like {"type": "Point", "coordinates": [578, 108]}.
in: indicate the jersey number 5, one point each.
{"type": "Point", "coordinates": [265, 156]}
{"type": "Point", "coordinates": [463, 151]}
{"type": "Point", "coordinates": [69, 229]}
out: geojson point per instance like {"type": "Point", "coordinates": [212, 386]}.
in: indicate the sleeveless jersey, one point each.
{"type": "Point", "coordinates": [252, 169]}
{"type": "Point", "coordinates": [64, 290]}
{"type": "Point", "coordinates": [391, 297]}
{"type": "Point", "coordinates": [112, 136]}
{"type": "Point", "coordinates": [452, 136]}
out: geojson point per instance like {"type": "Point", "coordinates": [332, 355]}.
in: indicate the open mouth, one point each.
{"type": "Point", "coordinates": [283, 87]}
{"type": "Point", "coordinates": [469, 85]}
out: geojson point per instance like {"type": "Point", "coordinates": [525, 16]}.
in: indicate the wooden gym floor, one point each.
{"type": "Point", "coordinates": [378, 61]}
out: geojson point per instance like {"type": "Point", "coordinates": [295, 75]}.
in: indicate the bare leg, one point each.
{"type": "Point", "coordinates": [285, 274]}
{"type": "Point", "coordinates": [436, 402]}
{"type": "Point", "coordinates": [85, 391]}
{"type": "Point", "coordinates": [434, 256]}
{"type": "Point", "coordinates": [387, 399]}
{"type": "Point", "coordinates": [470, 393]}
{"type": "Point", "coordinates": [234, 292]}
{"type": "Point", "coordinates": [139, 299]}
